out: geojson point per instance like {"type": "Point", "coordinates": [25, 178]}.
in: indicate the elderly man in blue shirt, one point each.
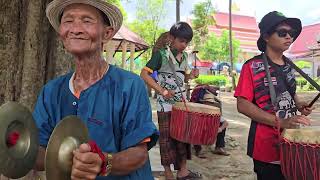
{"type": "Point", "coordinates": [112, 102]}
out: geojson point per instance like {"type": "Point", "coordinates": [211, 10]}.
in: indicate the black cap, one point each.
{"type": "Point", "coordinates": [270, 21]}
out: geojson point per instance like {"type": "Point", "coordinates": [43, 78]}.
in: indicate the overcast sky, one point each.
{"type": "Point", "coordinates": [307, 10]}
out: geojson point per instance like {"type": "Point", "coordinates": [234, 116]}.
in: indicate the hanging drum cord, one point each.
{"type": "Point", "coordinates": [170, 59]}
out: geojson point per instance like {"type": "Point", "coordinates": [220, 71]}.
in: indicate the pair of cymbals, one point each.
{"type": "Point", "coordinates": [17, 160]}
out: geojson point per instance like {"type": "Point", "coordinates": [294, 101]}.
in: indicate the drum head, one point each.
{"type": "Point", "coordinates": [197, 107]}
{"type": "Point", "coordinates": [306, 135]}
{"type": "Point", "coordinates": [18, 160]}
{"type": "Point", "coordinates": [68, 135]}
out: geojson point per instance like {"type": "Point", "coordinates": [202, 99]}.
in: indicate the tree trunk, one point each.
{"type": "Point", "coordinates": [30, 52]}
{"type": "Point", "coordinates": [10, 36]}
{"type": "Point", "coordinates": [35, 49]}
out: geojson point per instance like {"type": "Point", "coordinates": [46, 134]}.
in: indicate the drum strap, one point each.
{"type": "Point", "coordinates": [170, 59]}
{"type": "Point", "coordinates": [273, 95]}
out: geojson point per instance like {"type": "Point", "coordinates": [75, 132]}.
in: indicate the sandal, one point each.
{"type": "Point", "coordinates": [191, 176]}
{"type": "Point", "coordinates": [220, 151]}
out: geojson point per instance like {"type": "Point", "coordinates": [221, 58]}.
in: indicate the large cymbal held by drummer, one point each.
{"type": "Point", "coordinates": [268, 95]}
{"type": "Point", "coordinates": [111, 103]}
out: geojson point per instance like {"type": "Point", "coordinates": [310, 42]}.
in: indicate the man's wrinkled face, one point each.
{"type": "Point", "coordinates": [82, 29]}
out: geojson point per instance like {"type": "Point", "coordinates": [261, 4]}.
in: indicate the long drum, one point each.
{"type": "Point", "coordinates": [300, 153]}
{"type": "Point", "coordinates": [197, 124]}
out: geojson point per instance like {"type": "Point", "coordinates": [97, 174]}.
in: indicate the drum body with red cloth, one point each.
{"type": "Point", "coordinates": [300, 153]}
{"type": "Point", "coordinates": [197, 124]}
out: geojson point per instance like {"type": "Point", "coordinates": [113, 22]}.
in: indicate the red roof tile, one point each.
{"type": "Point", "coordinates": [244, 28]}
{"type": "Point", "coordinates": [306, 39]}
{"type": "Point", "coordinates": [238, 21]}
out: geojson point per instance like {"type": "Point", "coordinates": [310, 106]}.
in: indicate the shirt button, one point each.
{"type": "Point", "coordinates": [74, 103]}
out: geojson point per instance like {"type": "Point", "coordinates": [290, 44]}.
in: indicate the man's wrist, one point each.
{"type": "Point", "coordinates": [300, 108]}
{"type": "Point", "coordinates": [280, 122]}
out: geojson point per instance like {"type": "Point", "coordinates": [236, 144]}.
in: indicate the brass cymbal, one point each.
{"type": "Point", "coordinates": [18, 160]}
{"type": "Point", "coordinates": [66, 137]}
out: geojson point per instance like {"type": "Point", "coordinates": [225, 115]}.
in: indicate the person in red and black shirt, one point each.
{"type": "Point", "coordinates": [277, 33]}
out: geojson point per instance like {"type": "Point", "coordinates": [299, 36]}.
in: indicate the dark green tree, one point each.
{"type": "Point", "coordinates": [149, 16]}
{"type": "Point", "coordinates": [217, 48]}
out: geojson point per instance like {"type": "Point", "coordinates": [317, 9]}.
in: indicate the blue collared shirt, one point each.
{"type": "Point", "coordinates": [116, 111]}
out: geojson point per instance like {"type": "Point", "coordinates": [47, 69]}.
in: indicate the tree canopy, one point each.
{"type": "Point", "coordinates": [149, 16]}
{"type": "Point", "coordinates": [211, 46]}
{"type": "Point", "coordinates": [217, 48]}
{"type": "Point", "coordinates": [202, 12]}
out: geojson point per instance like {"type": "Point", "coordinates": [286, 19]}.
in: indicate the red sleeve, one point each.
{"type": "Point", "coordinates": [245, 85]}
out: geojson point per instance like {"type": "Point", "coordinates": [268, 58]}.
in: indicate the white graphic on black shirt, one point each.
{"type": "Point", "coordinates": [286, 106]}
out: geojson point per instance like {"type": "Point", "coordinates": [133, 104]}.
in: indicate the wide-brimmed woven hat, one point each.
{"type": "Point", "coordinates": [56, 7]}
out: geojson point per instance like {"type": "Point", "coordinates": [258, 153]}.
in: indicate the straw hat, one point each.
{"type": "Point", "coordinates": [55, 9]}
